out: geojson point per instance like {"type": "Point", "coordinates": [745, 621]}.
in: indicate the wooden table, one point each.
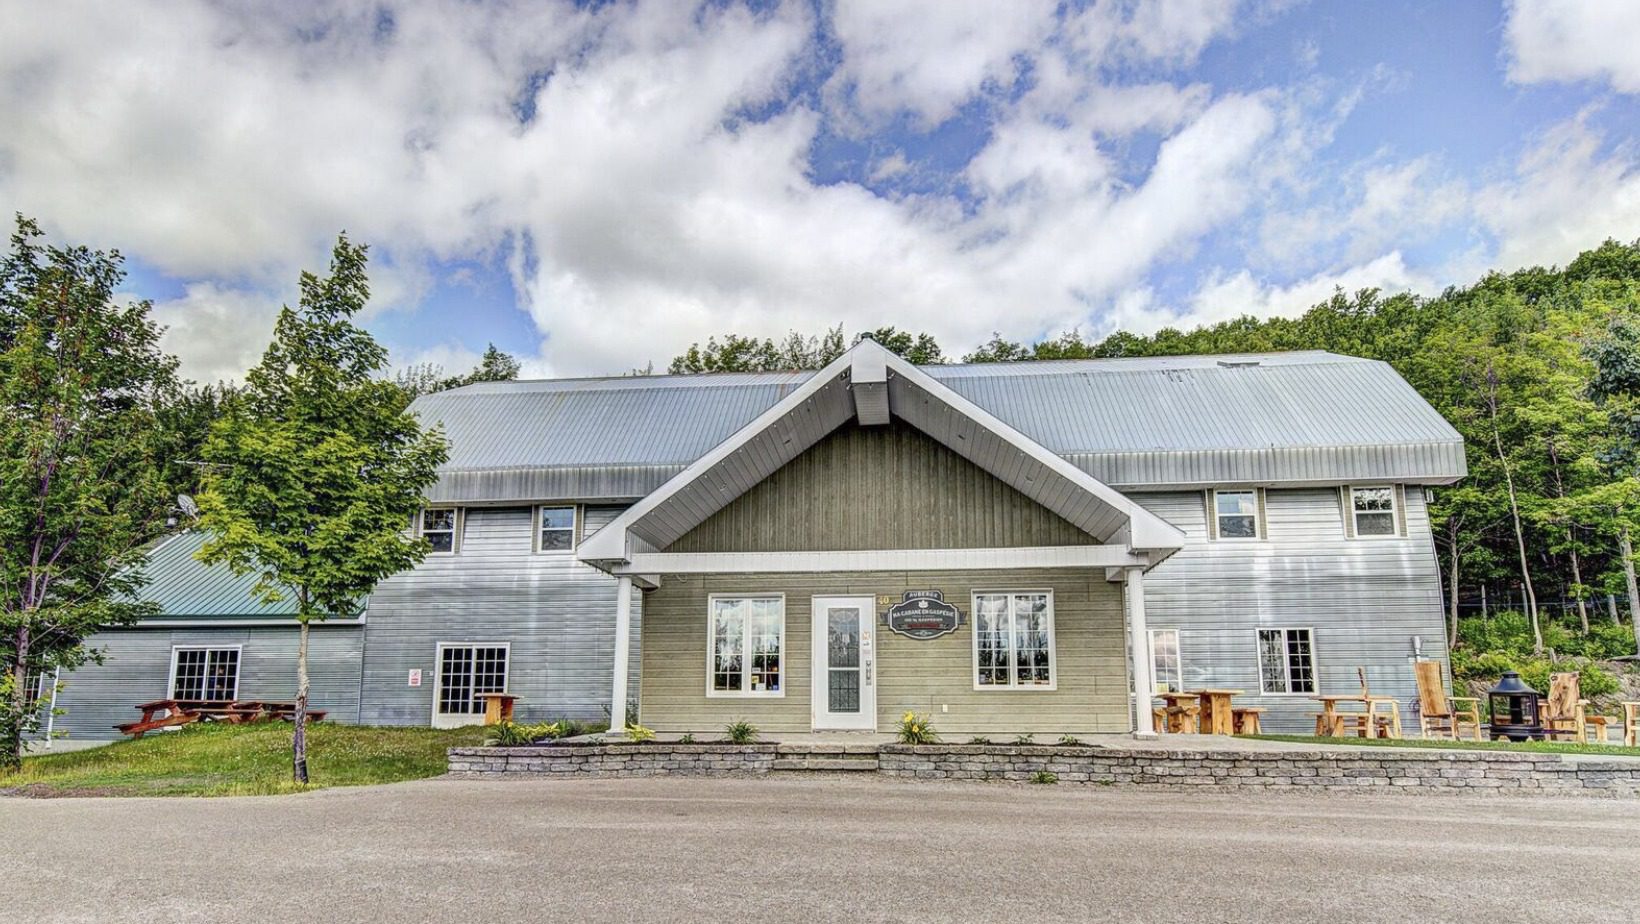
{"type": "Point", "coordinates": [171, 713]}
{"type": "Point", "coordinates": [498, 707]}
{"type": "Point", "coordinates": [1331, 722]}
{"type": "Point", "coordinates": [1177, 704]}
{"type": "Point", "coordinates": [1217, 717]}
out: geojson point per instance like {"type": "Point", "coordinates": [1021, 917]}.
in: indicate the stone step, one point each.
{"type": "Point", "coordinates": [828, 748]}
{"type": "Point", "coordinates": [825, 763]}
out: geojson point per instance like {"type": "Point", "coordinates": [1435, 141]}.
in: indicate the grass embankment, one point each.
{"type": "Point", "coordinates": [1530, 747]}
{"type": "Point", "coordinates": [239, 760]}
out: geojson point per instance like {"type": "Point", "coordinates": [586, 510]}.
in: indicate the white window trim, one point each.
{"type": "Point", "coordinates": [1353, 527]}
{"type": "Point", "coordinates": [1013, 686]}
{"type": "Point", "coordinates": [455, 526]}
{"type": "Point", "coordinates": [438, 669]}
{"type": "Point", "coordinates": [745, 652]}
{"type": "Point", "coordinates": [238, 667]}
{"type": "Point", "coordinates": [1286, 665]}
{"type": "Point", "coordinates": [1178, 646]}
{"type": "Point", "coordinates": [1217, 534]}
{"type": "Point", "coordinates": [574, 528]}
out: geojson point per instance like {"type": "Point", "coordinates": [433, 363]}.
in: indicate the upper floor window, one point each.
{"type": "Point", "coordinates": [555, 529]}
{"type": "Point", "coordinates": [1373, 511]}
{"type": "Point", "coordinates": [1236, 514]}
{"type": "Point", "coordinates": [439, 526]}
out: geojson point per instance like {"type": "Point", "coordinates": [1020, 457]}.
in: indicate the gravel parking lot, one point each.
{"type": "Point", "coordinates": [816, 849]}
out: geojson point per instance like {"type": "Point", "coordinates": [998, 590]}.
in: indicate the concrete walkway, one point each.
{"type": "Point", "coordinates": [813, 849]}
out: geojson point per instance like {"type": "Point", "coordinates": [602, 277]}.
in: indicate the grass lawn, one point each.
{"type": "Point", "coordinates": [239, 760]}
{"type": "Point", "coordinates": [1530, 747]}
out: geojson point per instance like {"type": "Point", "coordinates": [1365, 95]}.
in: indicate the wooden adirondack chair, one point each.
{"type": "Point", "coordinates": [1439, 713]}
{"type": "Point", "coordinates": [1568, 711]}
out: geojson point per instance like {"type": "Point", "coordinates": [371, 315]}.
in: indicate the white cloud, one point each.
{"type": "Point", "coordinates": [1565, 40]}
{"type": "Point", "coordinates": [1225, 296]}
{"type": "Point", "coordinates": [1566, 194]}
{"type": "Point", "coordinates": [217, 332]}
{"type": "Point", "coordinates": [929, 57]}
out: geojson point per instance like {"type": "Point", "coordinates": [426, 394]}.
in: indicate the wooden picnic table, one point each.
{"type": "Point", "coordinates": [171, 713]}
{"type": "Point", "coordinates": [1330, 723]}
{"type": "Point", "coordinates": [1218, 716]}
{"type": "Point", "coordinates": [1178, 710]}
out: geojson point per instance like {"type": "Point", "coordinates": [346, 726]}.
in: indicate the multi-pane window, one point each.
{"type": "Point", "coordinates": [205, 673]}
{"type": "Point", "coordinates": [747, 645]}
{"type": "Point", "coordinates": [438, 527]}
{"type": "Point", "coordinates": [1374, 511]}
{"type": "Point", "coordinates": [36, 688]}
{"type": "Point", "coordinates": [1236, 514]}
{"type": "Point", "coordinates": [556, 526]}
{"type": "Point", "coordinates": [464, 672]}
{"type": "Point", "coordinates": [1013, 640]}
{"type": "Point", "coordinates": [1286, 661]}
{"type": "Point", "coordinates": [1167, 670]}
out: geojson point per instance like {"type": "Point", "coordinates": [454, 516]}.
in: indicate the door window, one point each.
{"type": "Point", "coordinates": [465, 671]}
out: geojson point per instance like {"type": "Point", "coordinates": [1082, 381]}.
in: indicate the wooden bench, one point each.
{"type": "Point", "coordinates": [1248, 719]}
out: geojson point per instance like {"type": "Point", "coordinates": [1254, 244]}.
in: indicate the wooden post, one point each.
{"type": "Point", "coordinates": [623, 644]}
{"type": "Point", "coordinates": [1144, 725]}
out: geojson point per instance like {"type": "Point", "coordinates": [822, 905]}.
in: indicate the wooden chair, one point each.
{"type": "Point", "coordinates": [1383, 713]}
{"type": "Point", "coordinates": [1631, 723]}
{"type": "Point", "coordinates": [1439, 713]}
{"type": "Point", "coordinates": [1568, 711]}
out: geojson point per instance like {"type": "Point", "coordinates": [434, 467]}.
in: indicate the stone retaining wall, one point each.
{"type": "Point", "coordinates": [1358, 770]}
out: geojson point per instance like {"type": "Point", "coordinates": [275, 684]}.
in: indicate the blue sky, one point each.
{"type": "Point", "coordinates": [594, 187]}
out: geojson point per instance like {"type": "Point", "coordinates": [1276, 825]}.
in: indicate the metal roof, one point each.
{"type": "Point", "coordinates": [1136, 424]}
{"type": "Point", "coordinates": [186, 589]}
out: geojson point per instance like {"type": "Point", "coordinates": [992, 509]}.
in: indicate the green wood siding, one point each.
{"type": "Point", "coordinates": [885, 487]}
{"type": "Point", "coordinates": [933, 677]}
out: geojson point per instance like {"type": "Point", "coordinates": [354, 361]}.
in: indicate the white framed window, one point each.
{"type": "Point", "coordinates": [1236, 514]}
{"type": "Point", "coordinates": [1166, 665]}
{"type": "Point", "coordinates": [554, 528]}
{"type": "Point", "coordinates": [441, 527]}
{"type": "Point", "coordinates": [37, 686]}
{"type": "Point", "coordinates": [200, 672]}
{"type": "Point", "coordinates": [1374, 512]}
{"type": "Point", "coordinates": [466, 670]}
{"type": "Point", "coordinates": [1286, 661]}
{"type": "Point", "coordinates": [1013, 640]}
{"type": "Point", "coordinates": [745, 645]}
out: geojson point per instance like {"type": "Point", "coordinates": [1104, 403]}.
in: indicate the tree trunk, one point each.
{"type": "Point", "coordinates": [1452, 634]}
{"type": "Point", "coordinates": [1577, 578]}
{"type": "Point", "coordinates": [1628, 576]}
{"type": "Point", "coordinates": [1527, 592]}
{"type": "Point", "coordinates": [299, 769]}
{"type": "Point", "coordinates": [1485, 613]}
{"type": "Point", "coordinates": [1611, 609]}
{"type": "Point", "coordinates": [11, 750]}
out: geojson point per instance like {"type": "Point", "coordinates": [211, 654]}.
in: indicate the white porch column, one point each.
{"type": "Point", "coordinates": [623, 647]}
{"type": "Point", "coordinates": [1139, 643]}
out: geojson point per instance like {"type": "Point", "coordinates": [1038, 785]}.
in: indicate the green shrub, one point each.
{"type": "Point", "coordinates": [1044, 776]}
{"type": "Point", "coordinates": [917, 729]}
{"type": "Point", "coordinates": [513, 734]}
{"type": "Point", "coordinates": [637, 733]}
{"type": "Point", "coordinates": [979, 739]}
{"type": "Point", "coordinates": [687, 739]}
{"type": "Point", "coordinates": [1026, 738]}
{"type": "Point", "coordinates": [1070, 741]}
{"type": "Point", "coordinates": [740, 731]}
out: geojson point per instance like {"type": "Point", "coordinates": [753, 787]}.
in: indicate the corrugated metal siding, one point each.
{"type": "Point", "coordinates": [1364, 598]}
{"type": "Point", "coordinates": [1142, 423]}
{"type": "Point", "coordinates": [137, 665]}
{"type": "Point", "coordinates": [885, 487]}
{"type": "Point", "coordinates": [557, 614]}
{"type": "Point", "coordinates": [932, 677]}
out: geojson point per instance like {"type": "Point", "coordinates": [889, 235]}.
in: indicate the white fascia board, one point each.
{"type": "Point", "coordinates": [610, 543]}
{"type": "Point", "coordinates": [1146, 530]}
{"type": "Point", "coordinates": [1057, 556]}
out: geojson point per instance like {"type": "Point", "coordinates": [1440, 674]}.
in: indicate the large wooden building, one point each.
{"type": "Point", "coordinates": [1008, 548]}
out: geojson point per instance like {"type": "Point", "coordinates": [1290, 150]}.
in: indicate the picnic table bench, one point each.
{"type": "Point", "coordinates": [171, 713]}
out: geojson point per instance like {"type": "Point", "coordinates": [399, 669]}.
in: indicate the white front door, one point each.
{"type": "Point", "coordinates": [845, 683]}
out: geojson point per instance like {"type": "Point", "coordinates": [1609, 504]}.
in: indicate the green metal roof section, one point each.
{"type": "Point", "coordinates": [187, 589]}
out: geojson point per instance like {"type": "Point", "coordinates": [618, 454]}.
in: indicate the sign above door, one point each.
{"type": "Point", "coordinates": [922, 614]}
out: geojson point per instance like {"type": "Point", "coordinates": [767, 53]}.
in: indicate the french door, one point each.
{"type": "Point", "coordinates": [844, 692]}
{"type": "Point", "coordinates": [465, 671]}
